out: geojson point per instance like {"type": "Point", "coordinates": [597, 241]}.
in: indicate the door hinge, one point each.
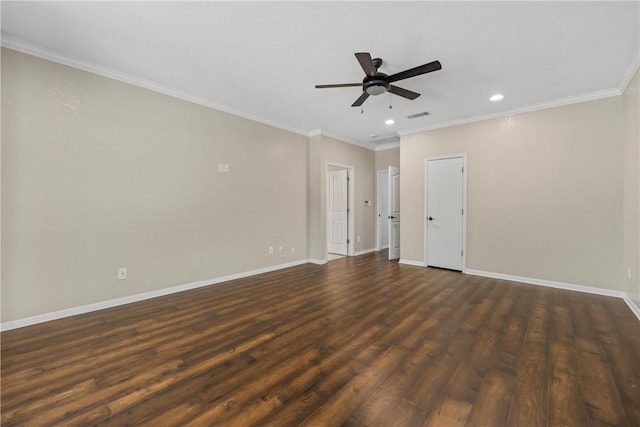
{"type": "Point", "coordinates": [461, 253]}
{"type": "Point", "coordinates": [347, 241]}
{"type": "Point", "coordinates": [348, 210]}
{"type": "Point", "coordinates": [462, 211]}
{"type": "Point", "coordinates": [348, 179]}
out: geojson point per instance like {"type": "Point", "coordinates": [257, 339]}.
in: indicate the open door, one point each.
{"type": "Point", "coordinates": [337, 212]}
{"type": "Point", "coordinates": [394, 212]}
{"type": "Point", "coordinates": [383, 210]}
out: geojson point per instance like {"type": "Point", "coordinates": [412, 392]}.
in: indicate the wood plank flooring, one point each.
{"type": "Point", "coordinates": [358, 342]}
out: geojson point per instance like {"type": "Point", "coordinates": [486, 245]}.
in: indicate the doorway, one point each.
{"type": "Point", "coordinates": [382, 230]}
{"type": "Point", "coordinates": [394, 212]}
{"type": "Point", "coordinates": [339, 210]}
{"type": "Point", "coordinates": [445, 212]}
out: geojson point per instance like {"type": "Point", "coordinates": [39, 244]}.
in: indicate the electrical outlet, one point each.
{"type": "Point", "coordinates": [122, 273]}
{"type": "Point", "coordinates": [270, 249]}
{"type": "Point", "coordinates": [226, 167]}
{"type": "Point", "coordinates": [281, 249]}
{"type": "Point", "coordinates": [293, 250]}
{"type": "Point", "coordinates": [220, 167]}
{"type": "Point", "coordinates": [358, 239]}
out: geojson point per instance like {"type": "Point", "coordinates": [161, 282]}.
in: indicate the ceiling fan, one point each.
{"type": "Point", "coordinates": [376, 83]}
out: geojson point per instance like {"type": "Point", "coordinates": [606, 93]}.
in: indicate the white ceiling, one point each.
{"type": "Point", "coordinates": [262, 59]}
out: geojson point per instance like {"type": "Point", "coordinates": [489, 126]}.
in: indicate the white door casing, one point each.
{"type": "Point", "coordinates": [337, 212]}
{"type": "Point", "coordinates": [445, 199]}
{"type": "Point", "coordinates": [394, 212]}
{"type": "Point", "coordinates": [383, 210]}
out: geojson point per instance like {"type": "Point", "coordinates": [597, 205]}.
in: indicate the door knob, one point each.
{"type": "Point", "coordinates": [430, 218]}
{"type": "Point", "coordinates": [391, 217]}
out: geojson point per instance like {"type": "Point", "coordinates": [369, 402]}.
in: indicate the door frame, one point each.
{"type": "Point", "coordinates": [464, 206]}
{"type": "Point", "coordinates": [391, 222]}
{"type": "Point", "coordinates": [351, 224]}
{"type": "Point", "coordinates": [383, 215]}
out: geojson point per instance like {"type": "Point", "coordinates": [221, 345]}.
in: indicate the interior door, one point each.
{"type": "Point", "coordinates": [394, 212]}
{"type": "Point", "coordinates": [444, 222]}
{"type": "Point", "coordinates": [383, 209]}
{"type": "Point", "coordinates": [337, 212]}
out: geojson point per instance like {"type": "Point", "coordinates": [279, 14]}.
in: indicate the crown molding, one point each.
{"type": "Point", "coordinates": [25, 47]}
{"type": "Point", "coordinates": [388, 146]}
{"type": "Point", "coordinates": [22, 46]}
{"type": "Point", "coordinates": [323, 132]}
{"type": "Point", "coordinates": [631, 71]}
{"type": "Point", "coordinates": [592, 96]}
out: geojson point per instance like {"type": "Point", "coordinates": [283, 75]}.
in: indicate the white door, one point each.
{"type": "Point", "coordinates": [394, 213]}
{"type": "Point", "coordinates": [444, 221]}
{"type": "Point", "coordinates": [383, 209]}
{"type": "Point", "coordinates": [337, 213]}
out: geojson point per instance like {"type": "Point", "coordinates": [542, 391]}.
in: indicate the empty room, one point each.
{"type": "Point", "coordinates": [320, 213]}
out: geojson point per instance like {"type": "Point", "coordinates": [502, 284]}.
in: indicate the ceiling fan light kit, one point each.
{"type": "Point", "coordinates": [377, 88]}
{"type": "Point", "coordinates": [376, 83]}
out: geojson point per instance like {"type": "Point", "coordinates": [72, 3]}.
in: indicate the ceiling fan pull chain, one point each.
{"type": "Point", "coordinates": [390, 107]}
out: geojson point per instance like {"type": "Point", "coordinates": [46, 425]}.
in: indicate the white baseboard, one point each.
{"type": "Point", "coordinates": [324, 261]}
{"type": "Point", "coordinates": [411, 262]}
{"type": "Point", "coordinates": [366, 251]}
{"type": "Point", "coordinates": [632, 305]}
{"type": "Point", "coordinates": [74, 311]}
{"type": "Point", "coordinates": [560, 285]}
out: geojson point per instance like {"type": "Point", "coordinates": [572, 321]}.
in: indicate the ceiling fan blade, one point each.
{"type": "Point", "coordinates": [338, 85]}
{"type": "Point", "coordinates": [364, 58]}
{"type": "Point", "coordinates": [360, 100]}
{"type": "Point", "coordinates": [422, 69]}
{"type": "Point", "coordinates": [403, 92]}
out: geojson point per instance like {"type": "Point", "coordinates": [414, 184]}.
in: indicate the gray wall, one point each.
{"type": "Point", "coordinates": [97, 174]}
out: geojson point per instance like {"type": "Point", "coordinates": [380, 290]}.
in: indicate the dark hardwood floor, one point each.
{"type": "Point", "coordinates": [359, 342]}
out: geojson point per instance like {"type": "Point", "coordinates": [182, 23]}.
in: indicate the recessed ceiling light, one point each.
{"type": "Point", "coordinates": [496, 97]}
{"type": "Point", "coordinates": [389, 122]}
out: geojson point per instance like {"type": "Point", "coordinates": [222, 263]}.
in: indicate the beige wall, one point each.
{"type": "Point", "coordinates": [317, 230]}
{"type": "Point", "coordinates": [98, 174]}
{"type": "Point", "coordinates": [386, 158]}
{"type": "Point", "coordinates": [631, 100]}
{"type": "Point", "coordinates": [544, 192]}
{"type": "Point", "coordinates": [323, 151]}
{"type": "Point", "coordinates": [363, 162]}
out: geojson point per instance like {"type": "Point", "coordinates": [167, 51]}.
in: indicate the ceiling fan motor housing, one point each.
{"type": "Point", "coordinates": [376, 84]}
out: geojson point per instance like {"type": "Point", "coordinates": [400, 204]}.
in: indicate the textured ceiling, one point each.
{"type": "Point", "coordinates": [262, 59]}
